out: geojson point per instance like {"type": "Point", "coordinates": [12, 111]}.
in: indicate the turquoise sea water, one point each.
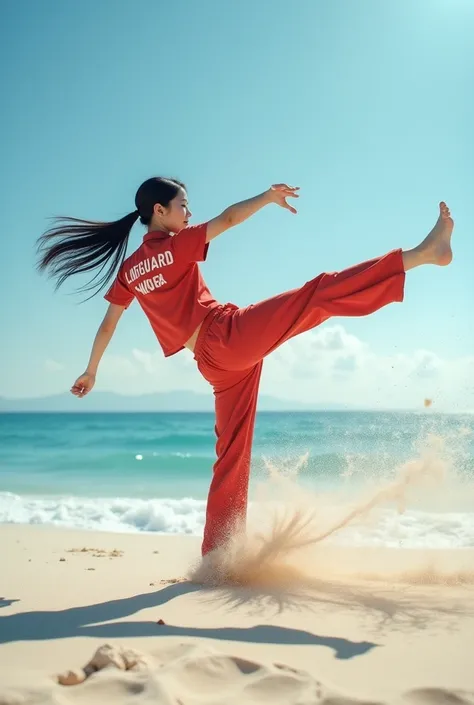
{"type": "Point", "coordinates": [151, 472]}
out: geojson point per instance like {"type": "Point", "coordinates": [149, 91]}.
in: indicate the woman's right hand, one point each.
{"type": "Point", "coordinates": [83, 384]}
{"type": "Point", "coordinates": [278, 194]}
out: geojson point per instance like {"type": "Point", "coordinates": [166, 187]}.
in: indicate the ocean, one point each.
{"type": "Point", "coordinates": [146, 472]}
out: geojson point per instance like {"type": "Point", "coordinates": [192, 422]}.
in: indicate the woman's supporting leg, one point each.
{"type": "Point", "coordinates": [236, 402]}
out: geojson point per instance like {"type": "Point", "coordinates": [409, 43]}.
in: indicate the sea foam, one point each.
{"type": "Point", "coordinates": [411, 529]}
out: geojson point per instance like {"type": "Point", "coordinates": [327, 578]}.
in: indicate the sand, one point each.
{"type": "Point", "coordinates": [385, 625]}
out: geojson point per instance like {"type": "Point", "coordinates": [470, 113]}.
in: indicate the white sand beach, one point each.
{"type": "Point", "coordinates": [370, 625]}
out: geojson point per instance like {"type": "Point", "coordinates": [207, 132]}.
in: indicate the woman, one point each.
{"type": "Point", "coordinates": [229, 343]}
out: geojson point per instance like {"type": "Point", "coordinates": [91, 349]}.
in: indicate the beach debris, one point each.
{"type": "Point", "coordinates": [98, 552]}
{"type": "Point", "coordinates": [160, 621]}
{"type": "Point", "coordinates": [172, 581]}
{"type": "Point", "coordinates": [62, 560]}
{"type": "Point", "coordinates": [106, 656]}
{"type": "Point", "coordinates": [428, 403]}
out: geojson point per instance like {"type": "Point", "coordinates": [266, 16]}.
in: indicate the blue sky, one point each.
{"type": "Point", "coordinates": [366, 105]}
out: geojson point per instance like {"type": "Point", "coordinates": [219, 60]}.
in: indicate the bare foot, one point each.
{"type": "Point", "coordinates": [436, 247]}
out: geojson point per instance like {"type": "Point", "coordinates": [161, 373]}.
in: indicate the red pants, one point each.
{"type": "Point", "coordinates": [229, 352]}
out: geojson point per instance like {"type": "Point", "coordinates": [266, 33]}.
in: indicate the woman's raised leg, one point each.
{"type": "Point", "coordinates": [257, 330]}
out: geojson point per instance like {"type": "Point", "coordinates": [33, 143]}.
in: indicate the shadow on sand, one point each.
{"type": "Point", "coordinates": [83, 621]}
{"type": "Point", "coordinates": [409, 610]}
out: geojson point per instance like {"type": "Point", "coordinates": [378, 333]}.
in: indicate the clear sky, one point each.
{"type": "Point", "coordinates": [367, 105]}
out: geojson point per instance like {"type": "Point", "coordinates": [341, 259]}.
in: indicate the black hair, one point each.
{"type": "Point", "coordinates": [75, 246]}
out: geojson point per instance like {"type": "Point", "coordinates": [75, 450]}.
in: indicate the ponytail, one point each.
{"type": "Point", "coordinates": [76, 246]}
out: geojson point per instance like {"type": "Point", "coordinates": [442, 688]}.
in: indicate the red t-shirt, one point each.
{"type": "Point", "coordinates": [163, 275]}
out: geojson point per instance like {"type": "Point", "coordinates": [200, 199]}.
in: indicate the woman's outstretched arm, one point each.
{"type": "Point", "coordinates": [239, 212]}
{"type": "Point", "coordinates": [86, 381]}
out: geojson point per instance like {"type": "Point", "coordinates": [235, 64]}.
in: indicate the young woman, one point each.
{"type": "Point", "coordinates": [229, 343]}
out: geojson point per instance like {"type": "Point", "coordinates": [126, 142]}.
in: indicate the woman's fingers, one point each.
{"type": "Point", "coordinates": [290, 208]}
{"type": "Point", "coordinates": [285, 187]}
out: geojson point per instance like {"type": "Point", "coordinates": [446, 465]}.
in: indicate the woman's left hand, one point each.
{"type": "Point", "coordinates": [278, 194]}
{"type": "Point", "coordinates": [83, 385]}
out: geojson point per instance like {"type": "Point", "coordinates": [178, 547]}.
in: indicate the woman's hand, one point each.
{"type": "Point", "coordinates": [278, 194]}
{"type": "Point", "coordinates": [83, 385]}
{"type": "Point", "coordinates": [85, 382]}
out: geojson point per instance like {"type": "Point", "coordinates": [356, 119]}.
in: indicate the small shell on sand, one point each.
{"type": "Point", "coordinates": [72, 677]}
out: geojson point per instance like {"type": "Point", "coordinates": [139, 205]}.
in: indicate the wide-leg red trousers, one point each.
{"type": "Point", "coordinates": [229, 352]}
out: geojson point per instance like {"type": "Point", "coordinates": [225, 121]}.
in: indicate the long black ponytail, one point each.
{"type": "Point", "coordinates": [77, 246]}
